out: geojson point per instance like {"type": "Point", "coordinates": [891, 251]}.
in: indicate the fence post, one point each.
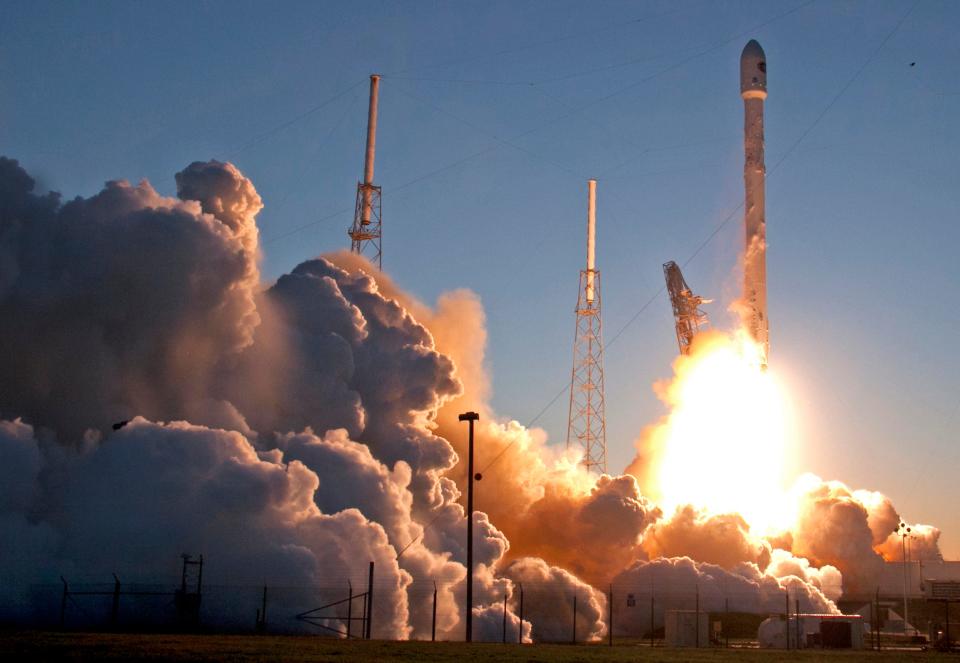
{"type": "Point", "coordinates": [369, 601]}
{"type": "Point", "coordinates": [786, 595]}
{"type": "Point", "coordinates": [504, 618]}
{"type": "Point", "coordinates": [726, 620]}
{"type": "Point", "coordinates": [796, 613]}
{"type": "Point", "coordinates": [115, 607]}
{"type": "Point", "coordinates": [697, 616]}
{"type": "Point", "coordinates": [349, 605]}
{"type": "Point", "coordinates": [520, 634]}
{"type": "Point", "coordinates": [363, 618]}
{"type": "Point", "coordinates": [63, 603]}
{"type": "Point", "coordinates": [946, 625]}
{"type": "Point", "coordinates": [574, 639]}
{"type": "Point", "coordinates": [610, 616]}
{"type": "Point", "coordinates": [877, 628]}
{"type": "Point", "coordinates": [651, 619]}
{"type": "Point", "coordinates": [433, 624]}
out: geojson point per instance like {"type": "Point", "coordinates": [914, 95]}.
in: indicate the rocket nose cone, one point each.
{"type": "Point", "coordinates": [753, 71]}
{"type": "Point", "coordinates": [752, 50]}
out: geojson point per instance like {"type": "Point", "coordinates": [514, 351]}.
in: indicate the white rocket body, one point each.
{"type": "Point", "coordinates": [753, 89]}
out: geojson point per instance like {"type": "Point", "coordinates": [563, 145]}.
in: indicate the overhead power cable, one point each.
{"type": "Point", "coordinates": [578, 109]}
{"type": "Point", "coordinates": [289, 123]}
{"type": "Point", "coordinates": [316, 152]}
{"type": "Point", "coordinates": [405, 185]}
{"type": "Point", "coordinates": [532, 45]}
{"type": "Point", "coordinates": [510, 142]}
{"type": "Point", "coordinates": [502, 141]}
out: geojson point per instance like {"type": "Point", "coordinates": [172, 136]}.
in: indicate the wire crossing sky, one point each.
{"type": "Point", "coordinates": [493, 114]}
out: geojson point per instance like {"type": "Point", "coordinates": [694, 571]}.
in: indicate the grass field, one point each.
{"type": "Point", "coordinates": [51, 646]}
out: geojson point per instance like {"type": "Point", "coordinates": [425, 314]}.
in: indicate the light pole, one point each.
{"type": "Point", "coordinates": [470, 417]}
{"type": "Point", "coordinates": [904, 533]}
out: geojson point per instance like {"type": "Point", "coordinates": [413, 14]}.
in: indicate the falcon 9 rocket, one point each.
{"type": "Point", "coordinates": [753, 89]}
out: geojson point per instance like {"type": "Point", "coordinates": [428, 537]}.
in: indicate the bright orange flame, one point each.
{"type": "Point", "coordinates": [723, 447]}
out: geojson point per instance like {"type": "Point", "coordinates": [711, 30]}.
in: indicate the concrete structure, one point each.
{"type": "Point", "coordinates": [686, 628]}
{"type": "Point", "coordinates": [586, 417]}
{"type": "Point", "coordinates": [919, 575]}
{"type": "Point", "coordinates": [813, 631]}
{"type": "Point", "coordinates": [753, 89]}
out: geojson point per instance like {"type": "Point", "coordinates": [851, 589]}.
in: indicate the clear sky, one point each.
{"type": "Point", "coordinates": [494, 114]}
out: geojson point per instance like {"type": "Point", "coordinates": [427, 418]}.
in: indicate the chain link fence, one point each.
{"type": "Point", "coordinates": [360, 607]}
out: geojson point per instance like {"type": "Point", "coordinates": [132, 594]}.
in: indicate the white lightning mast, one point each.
{"type": "Point", "coordinates": [586, 419]}
{"type": "Point", "coordinates": [365, 231]}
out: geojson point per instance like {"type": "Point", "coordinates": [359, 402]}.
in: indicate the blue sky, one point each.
{"type": "Point", "coordinates": [494, 114]}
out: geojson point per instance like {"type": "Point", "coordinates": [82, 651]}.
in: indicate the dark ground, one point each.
{"type": "Point", "coordinates": [55, 646]}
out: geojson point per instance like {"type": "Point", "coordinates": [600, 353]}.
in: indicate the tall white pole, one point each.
{"type": "Point", "coordinates": [591, 236]}
{"type": "Point", "coordinates": [904, 534]}
{"type": "Point", "coordinates": [371, 145]}
{"type": "Point", "coordinates": [753, 89]}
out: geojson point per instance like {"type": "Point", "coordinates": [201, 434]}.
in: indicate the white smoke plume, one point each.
{"type": "Point", "coordinates": [26, 540]}
{"type": "Point", "coordinates": [549, 594]}
{"type": "Point", "coordinates": [723, 539]}
{"type": "Point", "coordinates": [127, 302]}
{"type": "Point", "coordinates": [489, 626]}
{"type": "Point", "coordinates": [681, 583]}
{"type": "Point", "coordinates": [149, 489]}
{"type": "Point", "coordinates": [296, 432]}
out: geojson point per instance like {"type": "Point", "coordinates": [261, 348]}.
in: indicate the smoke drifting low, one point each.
{"type": "Point", "coordinates": [294, 433]}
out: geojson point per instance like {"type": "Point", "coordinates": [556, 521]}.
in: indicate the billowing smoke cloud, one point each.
{"type": "Point", "coordinates": [542, 499]}
{"type": "Point", "coordinates": [27, 541]}
{"type": "Point", "coordinates": [151, 489]}
{"type": "Point", "coordinates": [296, 432]}
{"type": "Point", "coordinates": [826, 578]}
{"type": "Point", "coordinates": [723, 539]}
{"type": "Point", "coordinates": [924, 545]}
{"type": "Point", "coordinates": [142, 305]}
{"type": "Point", "coordinates": [884, 522]}
{"type": "Point", "coordinates": [549, 595]}
{"type": "Point", "coordinates": [854, 531]}
{"type": "Point", "coordinates": [488, 625]}
{"type": "Point", "coordinates": [127, 302]}
{"type": "Point", "coordinates": [681, 583]}
{"type": "Point", "coordinates": [833, 528]}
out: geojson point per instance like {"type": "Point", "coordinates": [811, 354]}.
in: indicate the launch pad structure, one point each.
{"type": "Point", "coordinates": [365, 232]}
{"type": "Point", "coordinates": [586, 418]}
{"type": "Point", "coordinates": [690, 320]}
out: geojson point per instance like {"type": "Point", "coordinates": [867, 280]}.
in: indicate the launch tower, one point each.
{"type": "Point", "coordinates": [686, 307]}
{"type": "Point", "coordinates": [586, 420]}
{"type": "Point", "coordinates": [365, 231]}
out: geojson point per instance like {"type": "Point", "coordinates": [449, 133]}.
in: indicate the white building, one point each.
{"type": "Point", "coordinates": [812, 630]}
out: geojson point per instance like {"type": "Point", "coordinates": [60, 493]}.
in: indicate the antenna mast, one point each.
{"type": "Point", "coordinates": [586, 420]}
{"type": "Point", "coordinates": [365, 231]}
